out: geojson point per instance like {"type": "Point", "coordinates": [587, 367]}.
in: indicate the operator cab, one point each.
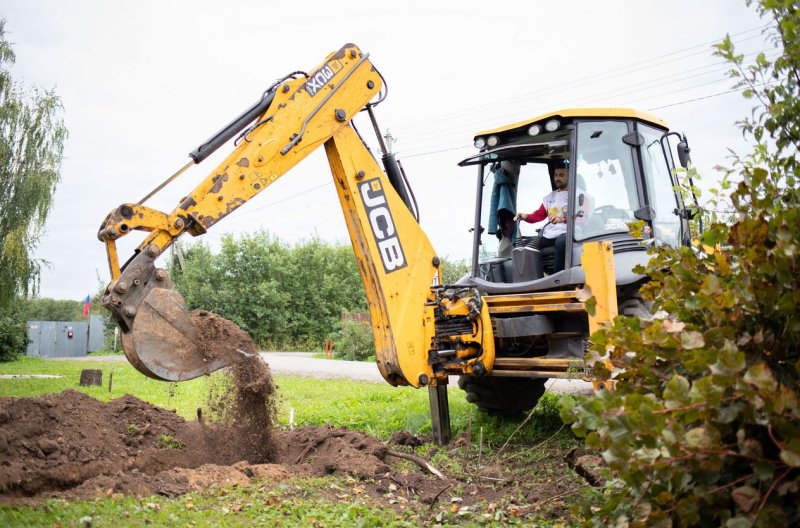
{"type": "Point", "coordinates": [620, 170]}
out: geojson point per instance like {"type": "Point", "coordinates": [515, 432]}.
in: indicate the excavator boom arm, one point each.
{"type": "Point", "coordinates": [396, 261]}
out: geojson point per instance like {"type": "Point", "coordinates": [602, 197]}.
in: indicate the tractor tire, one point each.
{"type": "Point", "coordinates": [636, 307]}
{"type": "Point", "coordinates": [502, 396]}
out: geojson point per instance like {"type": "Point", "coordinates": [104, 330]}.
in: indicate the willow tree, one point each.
{"type": "Point", "coordinates": [32, 136]}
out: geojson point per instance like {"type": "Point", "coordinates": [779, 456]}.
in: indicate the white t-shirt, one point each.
{"type": "Point", "coordinates": [555, 203]}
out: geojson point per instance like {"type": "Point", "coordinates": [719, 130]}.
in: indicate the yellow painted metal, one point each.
{"type": "Point", "coordinates": [558, 301]}
{"type": "Point", "coordinates": [534, 308]}
{"type": "Point", "coordinates": [534, 374]}
{"type": "Point", "coordinates": [258, 160]}
{"type": "Point", "coordinates": [113, 258]}
{"type": "Point", "coordinates": [611, 113]}
{"type": "Point", "coordinates": [396, 297]}
{"type": "Point", "coordinates": [531, 298]}
{"type": "Point", "coordinates": [396, 261]}
{"type": "Point", "coordinates": [510, 363]}
{"type": "Point", "coordinates": [598, 267]}
{"type": "Point", "coordinates": [130, 217]}
{"type": "Point", "coordinates": [399, 299]}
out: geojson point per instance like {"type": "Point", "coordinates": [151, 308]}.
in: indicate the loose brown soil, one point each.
{"type": "Point", "coordinates": [69, 445]}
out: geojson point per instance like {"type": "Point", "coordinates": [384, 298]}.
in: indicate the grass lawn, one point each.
{"type": "Point", "coordinates": [374, 408]}
{"type": "Point", "coordinates": [377, 409]}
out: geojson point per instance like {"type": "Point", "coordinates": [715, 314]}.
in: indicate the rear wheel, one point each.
{"type": "Point", "coordinates": [636, 307]}
{"type": "Point", "coordinates": [502, 396]}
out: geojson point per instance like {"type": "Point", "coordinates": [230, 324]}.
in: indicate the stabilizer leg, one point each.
{"type": "Point", "coordinates": [440, 412]}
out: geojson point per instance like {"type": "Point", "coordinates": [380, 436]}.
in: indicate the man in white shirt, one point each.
{"type": "Point", "coordinates": [554, 208]}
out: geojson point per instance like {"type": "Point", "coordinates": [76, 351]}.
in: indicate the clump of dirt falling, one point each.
{"type": "Point", "coordinates": [243, 410]}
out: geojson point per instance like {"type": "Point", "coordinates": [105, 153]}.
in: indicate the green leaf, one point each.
{"type": "Point", "coordinates": [676, 393]}
{"type": "Point", "coordinates": [790, 454]}
{"type": "Point", "coordinates": [591, 306]}
{"type": "Point", "coordinates": [746, 498]}
{"type": "Point", "coordinates": [761, 376]}
{"type": "Point", "coordinates": [730, 360]}
{"type": "Point", "coordinates": [740, 521]}
{"type": "Point", "coordinates": [763, 470]}
{"type": "Point", "coordinates": [699, 438]}
{"type": "Point", "coordinates": [692, 339]}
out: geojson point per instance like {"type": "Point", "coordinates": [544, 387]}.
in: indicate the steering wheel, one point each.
{"type": "Point", "coordinates": [606, 210]}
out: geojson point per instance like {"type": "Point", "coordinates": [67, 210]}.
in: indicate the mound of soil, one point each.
{"type": "Point", "coordinates": [70, 445]}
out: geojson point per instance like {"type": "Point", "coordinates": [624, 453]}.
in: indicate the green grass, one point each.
{"type": "Point", "coordinates": [311, 502]}
{"type": "Point", "coordinates": [375, 408]}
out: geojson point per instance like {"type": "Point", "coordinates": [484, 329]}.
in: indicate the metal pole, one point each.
{"type": "Point", "coordinates": [476, 235]}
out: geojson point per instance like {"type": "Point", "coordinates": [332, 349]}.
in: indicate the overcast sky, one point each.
{"type": "Point", "coordinates": [144, 82]}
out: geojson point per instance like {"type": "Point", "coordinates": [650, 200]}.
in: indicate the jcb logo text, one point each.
{"type": "Point", "coordinates": [382, 224]}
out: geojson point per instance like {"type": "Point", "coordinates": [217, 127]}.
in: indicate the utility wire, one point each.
{"type": "Point", "coordinates": [285, 199]}
{"type": "Point", "coordinates": [685, 101]}
{"type": "Point", "coordinates": [609, 74]}
{"type": "Point", "coordinates": [645, 85]}
{"type": "Point", "coordinates": [462, 147]}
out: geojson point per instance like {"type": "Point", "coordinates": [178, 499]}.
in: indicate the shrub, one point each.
{"type": "Point", "coordinates": [13, 337]}
{"type": "Point", "coordinates": [704, 427]}
{"type": "Point", "coordinates": [355, 342]}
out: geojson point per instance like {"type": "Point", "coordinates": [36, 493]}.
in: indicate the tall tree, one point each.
{"type": "Point", "coordinates": [32, 136]}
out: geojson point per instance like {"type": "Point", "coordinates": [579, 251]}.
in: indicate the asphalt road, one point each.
{"type": "Point", "coordinates": [304, 364]}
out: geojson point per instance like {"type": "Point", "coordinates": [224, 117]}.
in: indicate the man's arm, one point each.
{"type": "Point", "coordinates": [537, 216]}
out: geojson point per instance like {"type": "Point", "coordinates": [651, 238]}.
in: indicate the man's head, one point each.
{"type": "Point", "coordinates": [560, 175]}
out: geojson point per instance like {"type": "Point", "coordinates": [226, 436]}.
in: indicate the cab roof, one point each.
{"type": "Point", "coordinates": [626, 113]}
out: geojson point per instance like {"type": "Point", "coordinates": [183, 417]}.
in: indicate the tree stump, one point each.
{"type": "Point", "coordinates": [91, 377]}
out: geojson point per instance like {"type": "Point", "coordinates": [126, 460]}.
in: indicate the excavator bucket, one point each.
{"type": "Point", "coordinates": [165, 344]}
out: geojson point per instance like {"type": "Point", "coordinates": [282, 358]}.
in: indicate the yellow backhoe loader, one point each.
{"type": "Point", "coordinates": [514, 321]}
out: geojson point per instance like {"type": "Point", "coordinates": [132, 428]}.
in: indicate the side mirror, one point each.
{"type": "Point", "coordinates": [645, 213]}
{"type": "Point", "coordinates": [683, 152]}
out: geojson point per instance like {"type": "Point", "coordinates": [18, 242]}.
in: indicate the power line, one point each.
{"type": "Point", "coordinates": [645, 85]}
{"type": "Point", "coordinates": [610, 74]}
{"type": "Point", "coordinates": [706, 97]}
{"type": "Point", "coordinates": [285, 199]}
{"type": "Point", "coordinates": [617, 72]}
{"type": "Point", "coordinates": [685, 101]}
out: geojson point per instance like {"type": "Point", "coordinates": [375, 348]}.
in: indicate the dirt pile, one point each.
{"type": "Point", "coordinates": [70, 445]}
{"type": "Point", "coordinates": [58, 441]}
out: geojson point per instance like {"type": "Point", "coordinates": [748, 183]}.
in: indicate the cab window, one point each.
{"type": "Point", "coordinates": [660, 188]}
{"type": "Point", "coordinates": [604, 179]}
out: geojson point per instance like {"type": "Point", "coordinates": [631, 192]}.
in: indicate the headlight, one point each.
{"type": "Point", "coordinates": [480, 143]}
{"type": "Point", "coordinates": [492, 141]}
{"type": "Point", "coordinates": [552, 125]}
{"type": "Point", "coordinates": [534, 130]}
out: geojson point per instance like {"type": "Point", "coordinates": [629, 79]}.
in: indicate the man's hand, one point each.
{"type": "Point", "coordinates": [556, 219]}
{"type": "Point", "coordinates": [520, 216]}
